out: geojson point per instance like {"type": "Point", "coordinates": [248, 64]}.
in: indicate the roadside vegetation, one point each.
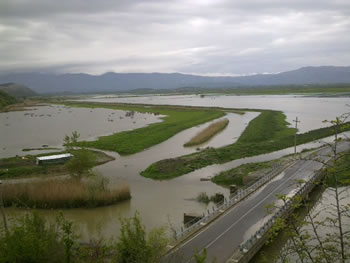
{"type": "Point", "coordinates": [241, 175]}
{"type": "Point", "coordinates": [266, 133]}
{"type": "Point", "coordinates": [315, 231]}
{"type": "Point", "coordinates": [208, 133]}
{"type": "Point", "coordinates": [31, 238]}
{"type": "Point", "coordinates": [342, 167]}
{"type": "Point", "coordinates": [175, 119]}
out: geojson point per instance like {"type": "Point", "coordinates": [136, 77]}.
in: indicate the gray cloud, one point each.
{"type": "Point", "coordinates": [198, 36]}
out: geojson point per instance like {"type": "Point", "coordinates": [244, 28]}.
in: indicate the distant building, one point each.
{"type": "Point", "coordinates": [53, 159]}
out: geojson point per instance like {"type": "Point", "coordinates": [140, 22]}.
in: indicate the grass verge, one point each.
{"type": "Point", "coordinates": [208, 133]}
{"type": "Point", "coordinates": [266, 133]}
{"type": "Point", "coordinates": [69, 193]}
{"type": "Point", "coordinates": [25, 166]}
{"type": "Point", "coordinates": [175, 119]}
{"type": "Point", "coordinates": [239, 174]}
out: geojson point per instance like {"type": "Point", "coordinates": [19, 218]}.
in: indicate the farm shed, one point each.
{"type": "Point", "coordinates": [53, 159]}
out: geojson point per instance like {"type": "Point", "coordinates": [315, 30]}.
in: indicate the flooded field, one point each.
{"type": "Point", "coordinates": [47, 125]}
{"type": "Point", "coordinates": [311, 111]}
{"type": "Point", "coordinates": [158, 202]}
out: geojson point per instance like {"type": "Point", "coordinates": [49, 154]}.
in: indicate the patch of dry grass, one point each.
{"type": "Point", "coordinates": [207, 133]}
{"type": "Point", "coordinates": [68, 193]}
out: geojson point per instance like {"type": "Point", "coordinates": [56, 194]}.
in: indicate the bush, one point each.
{"type": "Point", "coordinates": [135, 246]}
{"type": "Point", "coordinates": [30, 239]}
{"type": "Point", "coordinates": [81, 163]}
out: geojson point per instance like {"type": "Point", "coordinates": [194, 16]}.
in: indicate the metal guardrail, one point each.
{"type": "Point", "coordinates": [245, 246]}
{"type": "Point", "coordinates": [194, 225]}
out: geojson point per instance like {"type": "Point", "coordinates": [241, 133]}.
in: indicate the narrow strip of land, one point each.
{"type": "Point", "coordinates": [266, 133]}
{"type": "Point", "coordinates": [175, 119]}
{"type": "Point", "coordinates": [208, 133]}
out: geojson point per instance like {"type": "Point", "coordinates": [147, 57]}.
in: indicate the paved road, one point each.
{"type": "Point", "coordinates": [225, 234]}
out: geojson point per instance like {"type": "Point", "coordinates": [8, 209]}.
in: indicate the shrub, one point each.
{"type": "Point", "coordinates": [30, 239]}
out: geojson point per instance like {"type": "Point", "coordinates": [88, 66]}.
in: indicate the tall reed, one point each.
{"type": "Point", "coordinates": [68, 193]}
{"type": "Point", "coordinates": [207, 133]}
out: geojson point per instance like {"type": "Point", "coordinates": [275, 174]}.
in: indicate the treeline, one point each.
{"type": "Point", "coordinates": [252, 89]}
{"type": "Point", "coordinates": [6, 100]}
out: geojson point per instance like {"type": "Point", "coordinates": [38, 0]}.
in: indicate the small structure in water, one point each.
{"type": "Point", "coordinates": [233, 188]}
{"type": "Point", "coordinates": [53, 159]}
{"type": "Point", "coordinates": [191, 218]}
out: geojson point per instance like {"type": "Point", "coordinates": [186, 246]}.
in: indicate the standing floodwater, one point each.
{"type": "Point", "coordinates": [156, 201]}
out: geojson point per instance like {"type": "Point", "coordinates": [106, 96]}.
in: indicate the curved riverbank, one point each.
{"type": "Point", "coordinates": [266, 133]}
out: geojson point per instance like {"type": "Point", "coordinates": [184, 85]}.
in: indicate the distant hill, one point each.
{"type": "Point", "coordinates": [16, 90]}
{"type": "Point", "coordinates": [116, 82]}
{"type": "Point", "coordinates": [306, 75]}
{"type": "Point", "coordinates": [6, 100]}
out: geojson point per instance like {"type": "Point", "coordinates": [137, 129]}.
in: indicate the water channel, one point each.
{"type": "Point", "coordinates": [158, 202]}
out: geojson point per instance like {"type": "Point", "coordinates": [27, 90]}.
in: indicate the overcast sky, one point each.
{"type": "Point", "coordinates": [207, 37]}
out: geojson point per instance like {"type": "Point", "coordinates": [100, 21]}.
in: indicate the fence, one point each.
{"type": "Point", "coordinates": [254, 243]}
{"type": "Point", "coordinates": [192, 226]}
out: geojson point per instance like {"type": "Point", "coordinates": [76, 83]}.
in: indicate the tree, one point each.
{"type": "Point", "coordinates": [70, 141]}
{"type": "Point", "coordinates": [136, 246]}
{"type": "Point", "coordinates": [81, 163]}
{"type": "Point", "coordinates": [83, 160]}
{"type": "Point", "coordinates": [32, 239]}
{"type": "Point", "coordinates": [321, 236]}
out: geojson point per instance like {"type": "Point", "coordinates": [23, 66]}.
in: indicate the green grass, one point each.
{"type": "Point", "coordinates": [176, 120]}
{"type": "Point", "coordinates": [25, 166]}
{"type": "Point", "coordinates": [266, 133]}
{"type": "Point", "coordinates": [237, 174]}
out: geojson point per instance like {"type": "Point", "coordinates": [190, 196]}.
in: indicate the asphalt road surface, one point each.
{"type": "Point", "coordinates": [223, 236]}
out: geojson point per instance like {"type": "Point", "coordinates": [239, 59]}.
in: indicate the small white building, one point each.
{"type": "Point", "coordinates": [53, 159]}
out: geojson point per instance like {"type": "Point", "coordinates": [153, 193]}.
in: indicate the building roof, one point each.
{"type": "Point", "coordinates": [54, 157]}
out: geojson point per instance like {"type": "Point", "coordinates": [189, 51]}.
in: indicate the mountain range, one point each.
{"type": "Point", "coordinates": [117, 82]}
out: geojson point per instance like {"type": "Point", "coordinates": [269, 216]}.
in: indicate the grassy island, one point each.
{"type": "Point", "coordinates": [266, 133]}
{"type": "Point", "coordinates": [25, 166]}
{"type": "Point", "coordinates": [208, 133]}
{"type": "Point", "coordinates": [175, 119]}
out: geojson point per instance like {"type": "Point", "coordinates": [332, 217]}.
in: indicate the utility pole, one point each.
{"type": "Point", "coordinates": [3, 211]}
{"type": "Point", "coordinates": [295, 135]}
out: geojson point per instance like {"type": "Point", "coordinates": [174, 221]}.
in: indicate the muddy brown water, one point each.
{"type": "Point", "coordinates": [158, 202]}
